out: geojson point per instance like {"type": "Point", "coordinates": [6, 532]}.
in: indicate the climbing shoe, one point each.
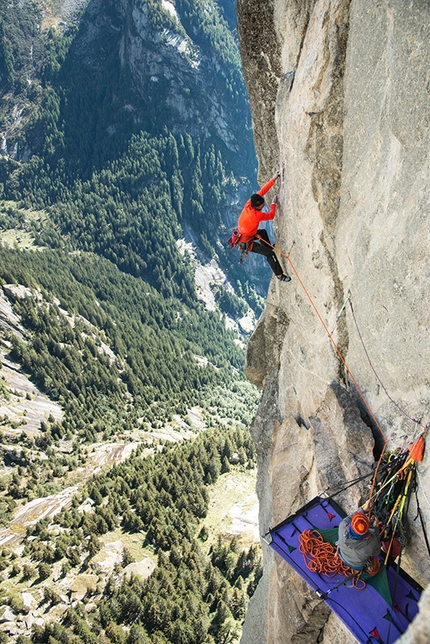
{"type": "Point", "coordinates": [284, 278]}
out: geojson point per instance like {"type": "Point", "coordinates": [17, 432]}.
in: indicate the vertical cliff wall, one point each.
{"type": "Point", "coordinates": [339, 91]}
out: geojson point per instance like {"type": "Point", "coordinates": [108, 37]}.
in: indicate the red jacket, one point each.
{"type": "Point", "coordinates": [250, 217]}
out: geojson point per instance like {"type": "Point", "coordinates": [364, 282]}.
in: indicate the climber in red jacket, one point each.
{"type": "Point", "coordinates": [247, 229]}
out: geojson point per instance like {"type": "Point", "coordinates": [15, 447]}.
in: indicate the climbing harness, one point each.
{"type": "Point", "coordinates": [234, 239]}
{"type": "Point", "coordinates": [242, 242]}
{"type": "Point", "coordinates": [245, 248]}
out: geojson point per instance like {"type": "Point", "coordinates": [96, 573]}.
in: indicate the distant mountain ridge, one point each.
{"type": "Point", "coordinates": [120, 67]}
{"type": "Point", "coordinates": [151, 92]}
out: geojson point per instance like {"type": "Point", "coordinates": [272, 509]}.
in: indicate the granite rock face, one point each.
{"type": "Point", "coordinates": [339, 91]}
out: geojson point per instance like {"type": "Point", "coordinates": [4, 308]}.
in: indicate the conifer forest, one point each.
{"type": "Point", "coordinates": [126, 153]}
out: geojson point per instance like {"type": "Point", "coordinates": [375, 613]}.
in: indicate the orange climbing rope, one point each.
{"type": "Point", "coordinates": [416, 450]}
{"type": "Point", "coordinates": [342, 359]}
{"type": "Point", "coordinates": [330, 335]}
{"type": "Point", "coordinates": [321, 557]}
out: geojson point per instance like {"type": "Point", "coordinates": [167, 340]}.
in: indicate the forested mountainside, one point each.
{"type": "Point", "coordinates": [129, 121]}
{"type": "Point", "coordinates": [126, 153]}
{"type": "Point", "coordinates": [109, 148]}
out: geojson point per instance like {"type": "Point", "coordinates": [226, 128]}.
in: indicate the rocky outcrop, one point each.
{"type": "Point", "coordinates": [147, 63]}
{"type": "Point", "coordinates": [339, 93]}
{"type": "Point", "coordinates": [176, 73]}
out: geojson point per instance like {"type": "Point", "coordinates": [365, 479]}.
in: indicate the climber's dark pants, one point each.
{"type": "Point", "coordinates": [261, 248]}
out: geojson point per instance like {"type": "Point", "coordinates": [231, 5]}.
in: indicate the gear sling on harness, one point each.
{"type": "Point", "coordinates": [243, 242]}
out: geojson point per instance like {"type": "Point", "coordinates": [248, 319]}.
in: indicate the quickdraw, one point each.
{"type": "Point", "coordinates": [245, 248]}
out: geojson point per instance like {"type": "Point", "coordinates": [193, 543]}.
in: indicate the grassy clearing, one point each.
{"type": "Point", "coordinates": [16, 237]}
{"type": "Point", "coordinates": [20, 234]}
{"type": "Point", "coordinates": [133, 543]}
{"type": "Point", "coordinates": [233, 496]}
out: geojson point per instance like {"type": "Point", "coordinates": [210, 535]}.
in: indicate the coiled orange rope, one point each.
{"type": "Point", "coordinates": [321, 557]}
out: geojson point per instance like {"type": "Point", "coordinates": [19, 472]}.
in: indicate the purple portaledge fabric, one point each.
{"type": "Point", "coordinates": [364, 612]}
